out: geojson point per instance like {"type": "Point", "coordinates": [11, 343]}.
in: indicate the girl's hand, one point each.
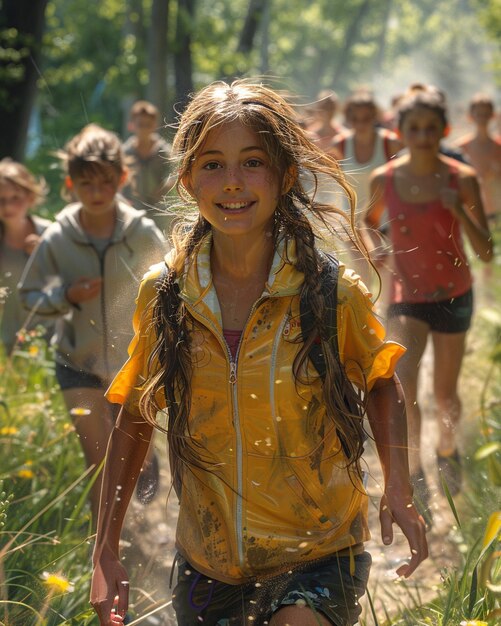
{"type": "Point", "coordinates": [109, 594]}
{"type": "Point", "coordinates": [451, 200]}
{"type": "Point", "coordinates": [30, 243]}
{"type": "Point", "coordinates": [83, 289]}
{"type": "Point", "coordinates": [402, 512]}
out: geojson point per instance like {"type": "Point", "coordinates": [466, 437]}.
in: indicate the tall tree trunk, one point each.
{"type": "Point", "coordinates": [157, 54]}
{"type": "Point", "coordinates": [183, 64]}
{"type": "Point", "coordinates": [252, 21]}
{"type": "Point", "coordinates": [351, 38]}
{"type": "Point", "coordinates": [22, 24]}
{"type": "Point", "coordinates": [133, 25]}
{"type": "Point", "coordinates": [381, 49]}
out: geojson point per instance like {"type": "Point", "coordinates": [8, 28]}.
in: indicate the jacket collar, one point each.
{"type": "Point", "coordinates": [127, 220]}
{"type": "Point", "coordinates": [197, 288]}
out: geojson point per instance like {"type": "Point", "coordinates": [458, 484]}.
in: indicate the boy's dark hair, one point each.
{"type": "Point", "coordinates": [143, 107]}
{"type": "Point", "coordinates": [91, 150]}
{"type": "Point", "coordinates": [481, 99]}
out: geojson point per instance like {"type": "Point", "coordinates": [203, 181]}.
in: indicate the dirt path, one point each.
{"type": "Point", "coordinates": [149, 539]}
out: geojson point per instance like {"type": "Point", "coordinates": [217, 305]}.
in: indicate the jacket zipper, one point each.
{"type": "Point", "coordinates": [236, 422]}
{"type": "Point", "coordinates": [104, 319]}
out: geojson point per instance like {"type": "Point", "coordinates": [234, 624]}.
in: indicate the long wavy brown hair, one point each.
{"type": "Point", "coordinates": [298, 216]}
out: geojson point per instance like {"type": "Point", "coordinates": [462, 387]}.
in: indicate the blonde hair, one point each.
{"type": "Point", "coordinates": [14, 173]}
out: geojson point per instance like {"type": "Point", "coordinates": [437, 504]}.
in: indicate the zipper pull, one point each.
{"type": "Point", "coordinates": [233, 373]}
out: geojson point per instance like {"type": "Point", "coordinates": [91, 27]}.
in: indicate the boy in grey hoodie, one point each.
{"type": "Point", "coordinates": [85, 273]}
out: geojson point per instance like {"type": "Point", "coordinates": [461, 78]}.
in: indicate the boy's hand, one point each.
{"type": "Point", "coordinates": [83, 289]}
{"type": "Point", "coordinates": [30, 243]}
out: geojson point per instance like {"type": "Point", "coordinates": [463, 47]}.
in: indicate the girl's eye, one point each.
{"type": "Point", "coordinates": [212, 165]}
{"type": "Point", "coordinates": [253, 163]}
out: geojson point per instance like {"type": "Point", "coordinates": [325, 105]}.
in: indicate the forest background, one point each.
{"type": "Point", "coordinates": [64, 63]}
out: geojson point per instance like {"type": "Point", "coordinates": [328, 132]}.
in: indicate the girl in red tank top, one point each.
{"type": "Point", "coordinates": [431, 202]}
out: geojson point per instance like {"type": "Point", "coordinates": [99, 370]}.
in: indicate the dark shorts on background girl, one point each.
{"type": "Point", "coordinates": [447, 316]}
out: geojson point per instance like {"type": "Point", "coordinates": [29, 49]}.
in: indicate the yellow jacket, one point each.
{"type": "Point", "coordinates": [277, 491]}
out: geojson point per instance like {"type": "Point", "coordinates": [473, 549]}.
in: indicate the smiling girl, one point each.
{"type": "Point", "coordinates": [273, 513]}
{"type": "Point", "coordinates": [431, 202]}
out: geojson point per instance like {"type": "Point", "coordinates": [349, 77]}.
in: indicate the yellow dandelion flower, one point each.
{"type": "Point", "coordinates": [25, 473]}
{"type": "Point", "coordinates": [57, 583]}
{"type": "Point", "coordinates": [473, 622]}
{"type": "Point", "coordinates": [33, 350]}
{"type": "Point", "coordinates": [28, 462]}
{"type": "Point", "coordinates": [79, 411]}
{"type": "Point", "coordinates": [8, 430]}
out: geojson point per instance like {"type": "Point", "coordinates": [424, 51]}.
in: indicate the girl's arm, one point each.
{"type": "Point", "coordinates": [126, 452]}
{"type": "Point", "coordinates": [374, 239]}
{"type": "Point", "coordinates": [386, 413]}
{"type": "Point", "coordinates": [468, 208]}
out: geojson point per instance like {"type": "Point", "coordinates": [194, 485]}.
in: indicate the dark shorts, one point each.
{"type": "Point", "coordinates": [69, 378]}
{"type": "Point", "coordinates": [447, 316]}
{"type": "Point", "coordinates": [325, 586]}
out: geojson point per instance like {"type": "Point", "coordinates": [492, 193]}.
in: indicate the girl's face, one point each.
{"type": "Point", "coordinates": [361, 118]}
{"type": "Point", "coordinates": [422, 129]}
{"type": "Point", "coordinates": [14, 202]}
{"type": "Point", "coordinates": [97, 189]}
{"type": "Point", "coordinates": [233, 181]}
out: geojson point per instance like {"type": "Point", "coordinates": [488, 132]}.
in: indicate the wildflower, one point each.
{"type": "Point", "coordinates": [25, 473]}
{"type": "Point", "coordinates": [57, 583]}
{"type": "Point", "coordinates": [33, 350]}
{"type": "Point", "coordinates": [8, 430]}
{"type": "Point", "coordinates": [473, 622]}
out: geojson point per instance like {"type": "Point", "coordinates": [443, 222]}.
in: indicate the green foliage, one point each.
{"type": "Point", "coordinates": [44, 519]}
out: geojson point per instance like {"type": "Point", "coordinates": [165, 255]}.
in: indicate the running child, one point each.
{"type": "Point", "coordinates": [431, 201]}
{"type": "Point", "coordinates": [147, 155]}
{"type": "Point", "coordinates": [360, 149]}
{"type": "Point", "coordinates": [265, 455]}
{"type": "Point", "coordinates": [20, 193]}
{"type": "Point", "coordinates": [484, 153]}
{"type": "Point", "coordinates": [84, 273]}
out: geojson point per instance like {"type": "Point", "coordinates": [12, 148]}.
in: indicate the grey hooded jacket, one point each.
{"type": "Point", "coordinates": [92, 336]}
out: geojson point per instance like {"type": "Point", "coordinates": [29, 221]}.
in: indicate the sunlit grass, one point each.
{"type": "Point", "coordinates": [44, 516]}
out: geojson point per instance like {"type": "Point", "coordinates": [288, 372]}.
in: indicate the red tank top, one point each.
{"type": "Point", "coordinates": [430, 264]}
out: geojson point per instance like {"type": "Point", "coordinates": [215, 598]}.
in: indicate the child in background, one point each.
{"type": "Point", "coordinates": [84, 273]}
{"type": "Point", "coordinates": [323, 126]}
{"type": "Point", "coordinates": [147, 157]}
{"type": "Point", "coordinates": [484, 154]}
{"type": "Point", "coordinates": [431, 201]}
{"type": "Point", "coordinates": [20, 192]}
{"type": "Point", "coordinates": [264, 452]}
{"type": "Point", "coordinates": [360, 149]}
